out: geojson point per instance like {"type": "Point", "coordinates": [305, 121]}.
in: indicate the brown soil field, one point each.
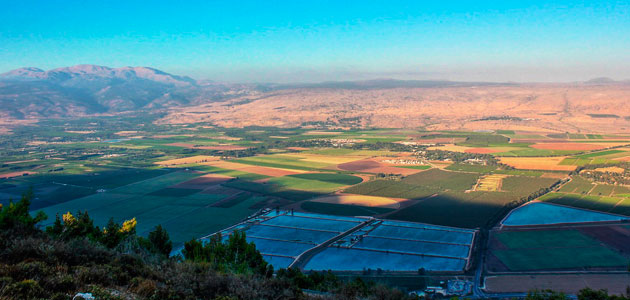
{"type": "Point", "coordinates": [188, 160]}
{"type": "Point", "coordinates": [616, 236]}
{"type": "Point", "coordinates": [203, 182]}
{"type": "Point", "coordinates": [126, 133]}
{"type": "Point", "coordinates": [273, 172]}
{"type": "Point", "coordinates": [351, 199]}
{"type": "Point", "coordinates": [573, 108]}
{"type": "Point", "coordinates": [615, 283]}
{"type": "Point", "coordinates": [568, 146]}
{"type": "Point", "coordinates": [16, 174]}
{"type": "Point", "coordinates": [537, 163]}
{"type": "Point", "coordinates": [359, 166]}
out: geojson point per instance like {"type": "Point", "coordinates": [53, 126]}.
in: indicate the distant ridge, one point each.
{"type": "Point", "coordinates": [87, 89]}
{"type": "Point", "coordinates": [388, 84]}
{"type": "Point", "coordinates": [92, 72]}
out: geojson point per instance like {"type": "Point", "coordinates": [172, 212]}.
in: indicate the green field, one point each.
{"type": "Point", "coordinates": [471, 168]}
{"type": "Point", "coordinates": [271, 189]}
{"type": "Point", "coordinates": [283, 162]}
{"type": "Point", "coordinates": [523, 185]}
{"type": "Point", "coordinates": [418, 185]}
{"type": "Point", "coordinates": [554, 249]}
{"type": "Point", "coordinates": [577, 185]}
{"type": "Point", "coordinates": [470, 209]}
{"type": "Point", "coordinates": [317, 182]}
{"type": "Point", "coordinates": [602, 153]}
{"type": "Point", "coordinates": [617, 205]}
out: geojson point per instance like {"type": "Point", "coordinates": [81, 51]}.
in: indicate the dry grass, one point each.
{"type": "Point", "coordinates": [568, 146]}
{"type": "Point", "coordinates": [450, 147]}
{"type": "Point", "coordinates": [461, 108]}
{"type": "Point", "coordinates": [537, 163]}
{"type": "Point", "coordinates": [188, 160]}
{"type": "Point", "coordinates": [490, 183]}
{"type": "Point", "coordinates": [351, 199]}
{"type": "Point", "coordinates": [16, 174]}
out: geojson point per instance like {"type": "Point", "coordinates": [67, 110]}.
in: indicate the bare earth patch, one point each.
{"type": "Point", "coordinates": [351, 199]}
{"type": "Point", "coordinates": [615, 283]}
{"type": "Point", "coordinates": [537, 163]}
{"type": "Point", "coordinates": [188, 160]}
{"type": "Point", "coordinates": [568, 146]}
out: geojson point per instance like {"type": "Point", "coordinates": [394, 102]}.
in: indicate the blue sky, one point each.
{"type": "Point", "coordinates": [264, 41]}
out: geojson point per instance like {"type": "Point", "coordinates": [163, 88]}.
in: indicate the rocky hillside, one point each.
{"type": "Point", "coordinates": [89, 89]}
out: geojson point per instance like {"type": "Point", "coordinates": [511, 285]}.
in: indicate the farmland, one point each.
{"type": "Point", "coordinates": [553, 249]}
{"type": "Point", "coordinates": [388, 199]}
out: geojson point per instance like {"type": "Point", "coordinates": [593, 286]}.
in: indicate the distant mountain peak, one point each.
{"type": "Point", "coordinates": [90, 72]}
{"type": "Point", "coordinates": [26, 72]}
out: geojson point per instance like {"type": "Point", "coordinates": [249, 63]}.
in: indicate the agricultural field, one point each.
{"type": "Point", "coordinates": [490, 183]}
{"type": "Point", "coordinates": [582, 193]}
{"type": "Point", "coordinates": [556, 249]}
{"type": "Point", "coordinates": [292, 189]}
{"type": "Point", "coordinates": [552, 163]}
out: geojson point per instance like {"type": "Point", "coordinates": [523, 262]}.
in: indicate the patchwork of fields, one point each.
{"type": "Point", "coordinates": [349, 200]}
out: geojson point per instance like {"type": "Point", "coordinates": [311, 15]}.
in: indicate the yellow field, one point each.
{"type": "Point", "coordinates": [351, 199]}
{"type": "Point", "coordinates": [188, 160]}
{"type": "Point", "coordinates": [537, 163]}
{"type": "Point", "coordinates": [490, 183]}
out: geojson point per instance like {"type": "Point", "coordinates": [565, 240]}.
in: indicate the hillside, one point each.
{"type": "Point", "coordinates": [88, 89]}
{"type": "Point", "coordinates": [602, 107]}
{"type": "Point", "coordinates": [597, 105]}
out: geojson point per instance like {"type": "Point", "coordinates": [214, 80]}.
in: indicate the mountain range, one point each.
{"type": "Point", "coordinates": [90, 89]}
{"type": "Point", "coordinates": [597, 104]}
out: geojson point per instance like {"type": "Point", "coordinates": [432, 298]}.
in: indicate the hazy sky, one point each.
{"type": "Point", "coordinates": [298, 40]}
